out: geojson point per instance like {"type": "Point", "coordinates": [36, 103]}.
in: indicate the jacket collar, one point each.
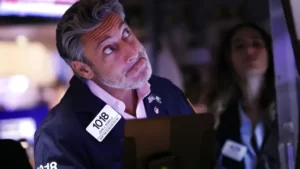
{"type": "Point", "coordinates": [84, 101]}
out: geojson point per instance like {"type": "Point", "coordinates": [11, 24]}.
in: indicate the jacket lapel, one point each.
{"type": "Point", "coordinates": [154, 106]}
{"type": "Point", "coordinates": [269, 153]}
{"type": "Point", "coordinates": [87, 106]}
{"type": "Point", "coordinates": [229, 129]}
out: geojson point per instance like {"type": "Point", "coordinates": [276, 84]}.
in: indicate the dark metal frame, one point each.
{"type": "Point", "coordinates": [286, 54]}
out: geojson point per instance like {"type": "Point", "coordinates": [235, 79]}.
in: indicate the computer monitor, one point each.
{"type": "Point", "coordinates": [182, 142]}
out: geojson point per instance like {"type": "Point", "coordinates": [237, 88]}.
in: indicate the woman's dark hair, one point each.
{"type": "Point", "coordinates": [225, 84]}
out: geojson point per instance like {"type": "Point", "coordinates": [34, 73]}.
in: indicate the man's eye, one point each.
{"type": "Point", "coordinates": [107, 50]}
{"type": "Point", "coordinates": [126, 33]}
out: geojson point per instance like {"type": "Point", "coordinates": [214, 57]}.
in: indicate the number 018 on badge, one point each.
{"type": "Point", "coordinates": [103, 123]}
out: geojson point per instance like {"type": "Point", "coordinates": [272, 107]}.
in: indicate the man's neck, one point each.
{"type": "Point", "coordinates": [120, 94]}
{"type": "Point", "coordinates": [127, 96]}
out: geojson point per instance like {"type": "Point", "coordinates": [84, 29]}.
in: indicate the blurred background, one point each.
{"type": "Point", "coordinates": [181, 37]}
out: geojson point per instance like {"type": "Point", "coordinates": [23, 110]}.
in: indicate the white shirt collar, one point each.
{"type": "Point", "coordinates": [115, 103]}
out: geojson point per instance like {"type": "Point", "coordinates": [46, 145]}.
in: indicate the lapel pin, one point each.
{"type": "Point", "coordinates": [156, 110]}
{"type": "Point", "coordinates": [150, 98]}
{"type": "Point", "coordinates": [154, 97]}
{"type": "Point", "coordinates": [158, 99]}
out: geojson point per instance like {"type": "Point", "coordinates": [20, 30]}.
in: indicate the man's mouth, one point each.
{"type": "Point", "coordinates": [136, 67]}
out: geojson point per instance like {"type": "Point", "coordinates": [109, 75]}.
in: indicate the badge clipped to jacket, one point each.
{"type": "Point", "coordinates": [103, 123]}
{"type": "Point", "coordinates": [234, 150]}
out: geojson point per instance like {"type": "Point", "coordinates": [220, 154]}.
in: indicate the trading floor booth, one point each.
{"type": "Point", "coordinates": [284, 21]}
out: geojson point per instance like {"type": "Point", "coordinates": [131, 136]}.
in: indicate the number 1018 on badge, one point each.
{"type": "Point", "coordinates": [102, 119]}
{"type": "Point", "coordinates": [103, 123]}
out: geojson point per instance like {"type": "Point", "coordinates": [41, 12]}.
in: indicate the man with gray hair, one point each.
{"type": "Point", "coordinates": [112, 83]}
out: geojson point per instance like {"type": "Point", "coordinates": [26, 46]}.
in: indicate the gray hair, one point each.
{"type": "Point", "coordinates": [82, 17]}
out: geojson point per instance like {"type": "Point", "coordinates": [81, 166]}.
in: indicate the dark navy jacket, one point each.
{"type": "Point", "coordinates": [229, 129]}
{"type": "Point", "coordinates": [62, 141]}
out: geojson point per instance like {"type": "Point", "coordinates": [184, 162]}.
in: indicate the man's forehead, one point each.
{"type": "Point", "coordinates": [110, 22]}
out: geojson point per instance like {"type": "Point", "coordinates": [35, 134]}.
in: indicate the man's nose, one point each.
{"type": "Point", "coordinates": [130, 52]}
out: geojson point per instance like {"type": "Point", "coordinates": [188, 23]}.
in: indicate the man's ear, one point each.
{"type": "Point", "coordinates": [82, 69]}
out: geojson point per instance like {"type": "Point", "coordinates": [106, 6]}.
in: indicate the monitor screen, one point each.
{"type": "Point", "coordinates": [34, 8]}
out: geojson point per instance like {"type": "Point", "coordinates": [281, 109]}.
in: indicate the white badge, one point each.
{"type": "Point", "coordinates": [234, 150]}
{"type": "Point", "coordinates": [103, 123]}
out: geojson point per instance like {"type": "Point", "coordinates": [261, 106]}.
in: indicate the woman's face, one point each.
{"type": "Point", "coordinates": [249, 55]}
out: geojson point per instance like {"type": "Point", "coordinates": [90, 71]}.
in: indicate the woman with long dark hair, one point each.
{"type": "Point", "coordinates": [243, 98]}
